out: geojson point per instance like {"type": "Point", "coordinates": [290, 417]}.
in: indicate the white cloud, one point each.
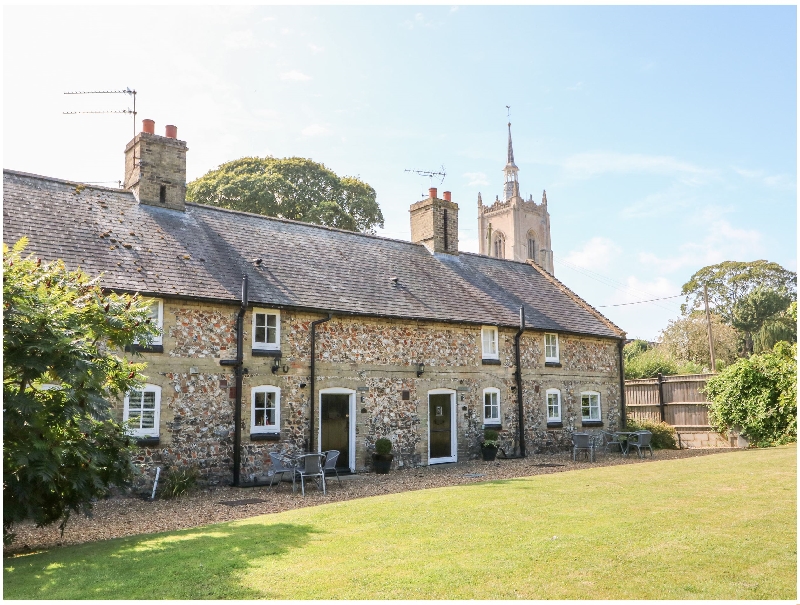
{"type": "Point", "coordinates": [315, 49]}
{"type": "Point", "coordinates": [722, 242]}
{"type": "Point", "coordinates": [476, 178]}
{"type": "Point", "coordinates": [597, 253]}
{"type": "Point", "coordinates": [315, 130]}
{"type": "Point", "coordinates": [418, 21]}
{"type": "Point", "coordinates": [241, 39]}
{"type": "Point", "coordinates": [577, 86]}
{"type": "Point", "coordinates": [659, 204]}
{"type": "Point", "coordinates": [776, 181]}
{"type": "Point", "coordinates": [587, 165]}
{"type": "Point", "coordinates": [295, 75]}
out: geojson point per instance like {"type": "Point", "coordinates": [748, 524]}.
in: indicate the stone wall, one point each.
{"type": "Point", "coordinates": [375, 360]}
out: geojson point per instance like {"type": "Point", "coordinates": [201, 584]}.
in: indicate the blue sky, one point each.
{"type": "Point", "coordinates": [666, 137]}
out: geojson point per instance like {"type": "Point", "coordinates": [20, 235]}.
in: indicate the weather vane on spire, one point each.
{"type": "Point", "coordinates": [508, 108]}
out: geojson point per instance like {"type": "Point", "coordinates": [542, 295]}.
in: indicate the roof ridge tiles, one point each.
{"type": "Point", "coordinates": [302, 223]}
{"type": "Point", "coordinates": [65, 181]}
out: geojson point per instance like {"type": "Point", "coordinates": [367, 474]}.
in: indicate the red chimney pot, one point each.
{"type": "Point", "coordinates": [171, 131]}
{"type": "Point", "coordinates": [446, 196]}
{"type": "Point", "coordinates": [149, 126]}
{"type": "Point", "coordinates": [432, 192]}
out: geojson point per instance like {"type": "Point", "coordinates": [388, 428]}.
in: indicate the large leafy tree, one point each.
{"type": "Point", "coordinates": [293, 188]}
{"type": "Point", "coordinates": [730, 281]}
{"type": "Point", "coordinates": [687, 338]}
{"type": "Point", "coordinates": [763, 318]}
{"type": "Point", "coordinates": [758, 396]}
{"type": "Point", "coordinates": [61, 449]}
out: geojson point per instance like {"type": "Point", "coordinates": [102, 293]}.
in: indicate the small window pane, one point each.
{"type": "Point", "coordinates": [489, 341]}
{"type": "Point", "coordinates": [491, 407]}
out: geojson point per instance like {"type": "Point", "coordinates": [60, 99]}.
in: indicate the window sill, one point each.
{"type": "Point", "coordinates": [135, 348]}
{"type": "Point", "coordinates": [591, 423]}
{"type": "Point", "coordinates": [265, 436]}
{"type": "Point", "coordinates": [490, 362]}
{"type": "Point", "coordinates": [495, 426]}
{"type": "Point", "coordinates": [266, 352]}
{"type": "Point", "coordinates": [555, 425]}
{"type": "Point", "coordinates": [146, 441]}
{"type": "Point", "coordinates": [552, 364]}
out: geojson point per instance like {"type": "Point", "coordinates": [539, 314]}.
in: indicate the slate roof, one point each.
{"type": "Point", "coordinates": [202, 253]}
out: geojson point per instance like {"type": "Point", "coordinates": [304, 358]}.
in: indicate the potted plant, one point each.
{"type": "Point", "coordinates": [382, 458]}
{"type": "Point", "coordinates": [489, 444]}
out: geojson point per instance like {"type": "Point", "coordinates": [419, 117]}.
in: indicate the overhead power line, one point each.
{"type": "Point", "coordinates": [639, 302]}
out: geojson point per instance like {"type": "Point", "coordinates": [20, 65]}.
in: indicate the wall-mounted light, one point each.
{"type": "Point", "coordinates": [276, 365]}
{"type": "Point", "coordinates": [420, 369]}
{"type": "Point", "coordinates": [462, 396]}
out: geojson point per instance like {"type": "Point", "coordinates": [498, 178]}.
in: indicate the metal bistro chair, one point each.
{"type": "Point", "coordinates": [583, 442]}
{"type": "Point", "coordinates": [609, 440]}
{"type": "Point", "coordinates": [331, 456]}
{"type": "Point", "coordinates": [280, 466]}
{"type": "Point", "coordinates": [641, 440]}
{"type": "Point", "coordinates": [311, 466]}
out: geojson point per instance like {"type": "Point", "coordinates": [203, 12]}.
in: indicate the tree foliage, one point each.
{"type": "Point", "coordinates": [763, 318]}
{"type": "Point", "coordinates": [730, 281]}
{"type": "Point", "coordinates": [687, 338]}
{"type": "Point", "coordinates": [649, 362]}
{"type": "Point", "coordinates": [293, 188]}
{"type": "Point", "coordinates": [60, 331]}
{"type": "Point", "coordinates": [757, 396]}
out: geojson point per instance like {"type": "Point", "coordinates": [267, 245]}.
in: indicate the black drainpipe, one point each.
{"type": "Point", "coordinates": [237, 369]}
{"type": "Point", "coordinates": [620, 346]}
{"type": "Point", "coordinates": [312, 380]}
{"type": "Point", "coordinates": [518, 376]}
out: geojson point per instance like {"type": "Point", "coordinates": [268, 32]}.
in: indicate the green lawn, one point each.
{"type": "Point", "coordinates": [712, 527]}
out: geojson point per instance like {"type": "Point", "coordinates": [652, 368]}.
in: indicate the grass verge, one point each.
{"type": "Point", "coordinates": [712, 527]}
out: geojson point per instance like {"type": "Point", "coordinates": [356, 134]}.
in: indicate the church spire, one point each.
{"type": "Point", "coordinates": [511, 188]}
{"type": "Point", "coordinates": [510, 147]}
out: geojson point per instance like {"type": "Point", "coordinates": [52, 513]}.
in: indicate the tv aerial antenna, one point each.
{"type": "Point", "coordinates": [430, 174]}
{"type": "Point", "coordinates": [127, 91]}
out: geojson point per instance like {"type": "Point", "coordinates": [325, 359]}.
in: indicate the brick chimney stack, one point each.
{"type": "Point", "coordinates": [434, 223]}
{"type": "Point", "coordinates": [155, 167]}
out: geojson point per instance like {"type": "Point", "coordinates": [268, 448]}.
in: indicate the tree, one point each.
{"type": "Point", "coordinates": [731, 281]}
{"type": "Point", "coordinates": [649, 362]}
{"type": "Point", "coordinates": [60, 371]}
{"type": "Point", "coordinates": [762, 316]}
{"type": "Point", "coordinates": [757, 396]}
{"type": "Point", "coordinates": [687, 338]}
{"type": "Point", "coordinates": [292, 188]}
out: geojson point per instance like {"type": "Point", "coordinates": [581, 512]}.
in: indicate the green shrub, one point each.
{"type": "Point", "coordinates": [757, 396]}
{"type": "Point", "coordinates": [178, 482]}
{"type": "Point", "coordinates": [383, 446]}
{"type": "Point", "coordinates": [650, 363]}
{"type": "Point", "coordinates": [663, 433]}
{"type": "Point", "coordinates": [490, 438]}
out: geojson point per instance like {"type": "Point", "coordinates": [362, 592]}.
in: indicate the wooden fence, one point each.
{"type": "Point", "coordinates": [676, 400]}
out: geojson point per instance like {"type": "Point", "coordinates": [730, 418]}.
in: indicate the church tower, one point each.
{"type": "Point", "coordinates": [515, 228]}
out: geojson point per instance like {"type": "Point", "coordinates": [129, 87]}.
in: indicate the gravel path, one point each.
{"type": "Point", "coordinates": [127, 516]}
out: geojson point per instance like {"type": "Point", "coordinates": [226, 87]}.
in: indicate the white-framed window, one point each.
{"type": "Point", "coordinates": [266, 329]}
{"type": "Point", "coordinates": [553, 397]}
{"type": "Point", "coordinates": [551, 347]}
{"type": "Point", "coordinates": [156, 317]}
{"type": "Point", "coordinates": [491, 406]}
{"type": "Point", "coordinates": [590, 406]}
{"type": "Point", "coordinates": [265, 409]}
{"type": "Point", "coordinates": [489, 342]}
{"type": "Point", "coordinates": [143, 409]}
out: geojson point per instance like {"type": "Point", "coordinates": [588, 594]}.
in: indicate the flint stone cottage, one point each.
{"type": "Point", "coordinates": [340, 338]}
